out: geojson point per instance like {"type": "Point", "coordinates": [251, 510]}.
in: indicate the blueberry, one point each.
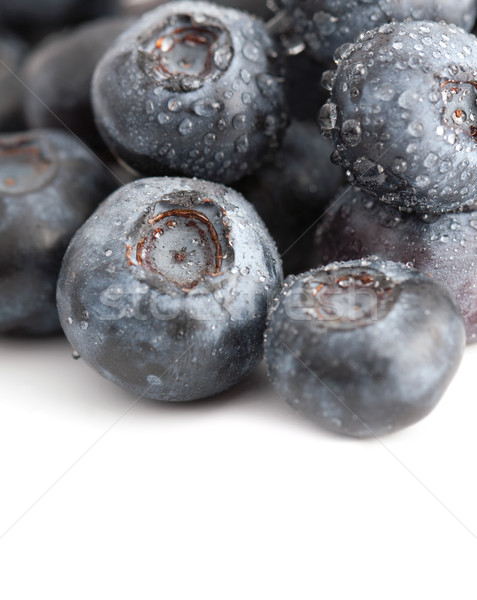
{"type": "Point", "coordinates": [12, 52]}
{"type": "Point", "coordinates": [363, 347]}
{"type": "Point", "coordinates": [292, 192]}
{"type": "Point", "coordinates": [58, 76]}
{"type": "Point", "coordinates": [325, 25]}
{"type": "Point", "coordinates": [165, 289]}
{"type": "Point", "coordinates": [445, 246]}
{"type": "Point", "coordinates": [49, 185]}
{"type": "Point", "coordinates": [403, 116]}
{"type": "Point", "coordinates": [193, 89]}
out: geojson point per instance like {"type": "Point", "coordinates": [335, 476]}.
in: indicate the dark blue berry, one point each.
{"type": "Point", "coordinates": [363, 347]}
{"type": "Point", "coordinates": [292, 192]}
{"type": "Point", "coordinates": [324, 25]}
{"type": "Point", "coordinates": [193, 89]}
{"type": "Point", "coordinates": [58, 77]}
{"type": "Point", "coordinates": [403, 116]}
{"type": "Point", "coordinates": [49, 185]}
{"type": "Point", "coordinates": [445, 246]}
{"type": "Point", "coordinates": [165, 289]}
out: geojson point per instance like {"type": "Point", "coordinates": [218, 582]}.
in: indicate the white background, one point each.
{"type": "Point", "coordinates": [232, 498]}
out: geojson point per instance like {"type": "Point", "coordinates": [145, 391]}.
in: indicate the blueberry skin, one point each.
{"type": "Point", "coordinates": [445, 246]}
{"type": "Point", "coordinates": [59, 73]}
{"type": "Point", "coordinates": [167, 324]}
{"type": "Point", "coordinates": [218, 118]}
{"type": "Point", "coordinates": [49, 185]}
{"type": "Point", "coordinates": [293, 191]}
{"type": "Point", "coordinates": [402, 115]}
{"type": "Point", "coordinates": [364, 348]}
{"type": "Point", "coordinates": [327, 24]}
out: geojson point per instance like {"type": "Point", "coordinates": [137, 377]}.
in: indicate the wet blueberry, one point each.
{"type": "Point", "coordinates": [445, 246]}
{"type": "Point", "coordinates": [49, 185]}
{"type": "Point", "coordinates": [324, 25]}
{"type": "Point", "coordinates": [193, 89]}
{"type": "Point", "coordinates": [292, 192]}
{"type": "Point", "coordinates": [58, 76]}
{"type": "Point", "coordinates": [165, 289]}
{"type": "Point", "coordinates": [364, 347]}
{"type": "Point", "coordinates": [402, 115]}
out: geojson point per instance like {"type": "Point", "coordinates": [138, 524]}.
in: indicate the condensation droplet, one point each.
{"type": "Point", "coordinates": [206, 107]}
{"type": "Point", "coordinates": [266, 85]}
{"type": "Point", "coordinates": [209, 139]}
{"type": "Point", "coordinates": [239, 121]}
{"type": "Point", "coordinates": [242, 144]}
{"type": "Point", "coordinates": [153, 380]}
{"type": "Point", "coordinates": [385, 92]}
{"type": "Point", "coordinates": [245, 76]}
{"type": "Point", "coordinates": [222, 57]}
{"type": "Point", "coordinates": [399, 165]}
{"type": "Point", "coordinates": [351, 132]}
{"type": "Point", "coordinates": [422, 181]}
{"type": "Point", "coordinates": [175, 104]}
{"type": "Point", "coordinates": [328, 115]}
{"type": "Point", "coordinates": [251, 52]}
{"type": "Point", "coordinates": [185, 126]}
{"type": "Point", "coordinates": [408, 99]}
{"type": "Point", "coordinates": [163, 118]}
{"type": "Point", "coordinates": [415, 129]}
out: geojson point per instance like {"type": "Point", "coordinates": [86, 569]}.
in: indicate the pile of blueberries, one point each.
{"type": "Point", "coordinates": [162, 165]}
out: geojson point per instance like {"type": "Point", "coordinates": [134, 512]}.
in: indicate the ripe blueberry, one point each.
{"type": "Point", "coordinates": [165, 289]}
{"type": "Point", "coordinates": [49, 185]}
{"type": "Point", "coordinates": [325, 25]}
{"type": "Point", "coordinates": [59, 73]}
{"type": "Point", "coordinates": [402, 115]}
{"type": "Point", "coordinates": [445, 246]}
{"type": "Point", "coordinates": [363, 347]}
{"type": "Point", "coordinates": [193, 89]}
